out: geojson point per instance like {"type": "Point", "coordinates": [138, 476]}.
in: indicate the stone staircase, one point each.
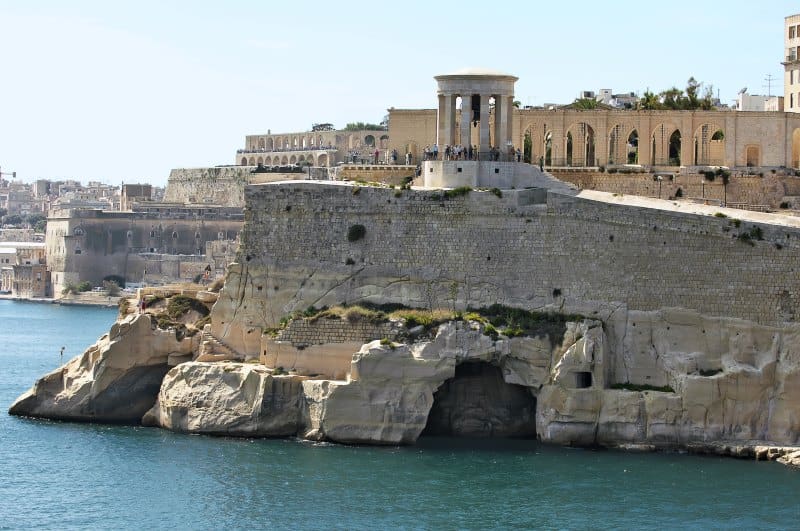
{"type": "Point", "coordinates": [213, 348]}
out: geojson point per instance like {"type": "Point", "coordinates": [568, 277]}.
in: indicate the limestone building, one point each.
{"type": "Point", "coordinates": [322, 146]}
{"type": "Point", "coordinates": [154, 243]}
{"type": "Point", "coordinates": [569, 137]}
{"type": "Point", "coordinates": [23, 269]}
{"type": "Point", "coordinates": [791, 63]}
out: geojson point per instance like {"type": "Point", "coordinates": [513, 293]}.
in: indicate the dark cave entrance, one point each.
{"type": "Point", "coordinates": [476, 402]}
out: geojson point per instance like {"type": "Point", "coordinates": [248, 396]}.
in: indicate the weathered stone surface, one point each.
{"type": "Point", "coordinates": [791, 459]}
{"type": "Point", "coordinates": [240, 399]}
{"type": "Point", "coordinates": [114, 380]}
{"type": "Point", "coordinates": [386, 401]}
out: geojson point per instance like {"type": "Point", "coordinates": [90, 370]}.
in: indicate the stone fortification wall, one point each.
{"type": "Point", "coordinates": [220, 185]}
{"type": "Point", "coordinates": [381, 173]}
{"type": "Point", "coordinates": [770, 190]}
{"type": "Point", "coordinates": [424, 250]}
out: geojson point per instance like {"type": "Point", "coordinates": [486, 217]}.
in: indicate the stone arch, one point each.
{"type": "Point", "coordinates": [260, 161]}
{"type": "Point", "coordinates": [617, 152]}
{"type": "Point", "coordinates": [322, 159]}
{"type": "Point", "coordinates": [369, 140]}
{"type": "Point", "coordinates": [412, 147]}
{"type": "Point", "coordinates": [353, 142]}
{"type": "Point", "coordinates": [301, 158]}
{"type": "Point", "coordinates": [534, 133]}
{"type": "Point", "coordinates": [666, 144]}
{"type": "Point", "coordinates": [548, 148]}
{"type": "Point", "coordinates": [261, 143]}
{"type": "Point", "coordinates": [304, 142]}
{"type": "Point", "coordinates": [384, 142]}
{"type": "Point", "coordinates": [632, 146]}
{"type": "Point", "coordinates": [284, 160]}
{"type": "Point", "coordinates": [244, 161]}
{"type": "Point", "coordinates": [295, 142]}
{"type": "Point", "coordinates": [752, 154]}
{"type": "Point", "coordinates": [709, 145]}
{"type": "Point", "coordinates": [581, 150]}
{"type": "Point", "coordinates": [320, 141]}
{"type": "Point", "coordinates": [270, 145]}
{"type": "Point", "coordinates": [568, 147]}
{"type": "Point", "coordinates": [293, 159]}
{"type": "Point", "coordinates": [252, 161]}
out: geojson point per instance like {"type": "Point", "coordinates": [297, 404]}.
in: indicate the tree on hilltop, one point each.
{"type": "Point", "coordinates": [361, 126]}
{"type": "Point", "coordinates": [695, 96]}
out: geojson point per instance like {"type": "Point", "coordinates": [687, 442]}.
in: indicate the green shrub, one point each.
{"type": "Point", "coordinates": [719, 215]}
{"type": "Point", "coordinates": [457, 192]}
{"type": "Point", "coordinates": [356, 232]}
{"type": "Point", "coordinates": [785, 204]}
{"type": "Point", "coordinates": [181, 304]}
{"type": "Point", "coordinates": [84, 286]}
{"type": "Point", "coordinates": [111, 287]}
{"type": "Point", "coordinates": [497, 192]}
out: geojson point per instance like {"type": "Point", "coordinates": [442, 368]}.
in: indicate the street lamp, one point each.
{"type": "Point", "coordinates": [659, 179]}
{"type": "Point", "coordinates": [703, 182]}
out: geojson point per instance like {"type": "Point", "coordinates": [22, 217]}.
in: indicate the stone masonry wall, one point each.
{"type": "Point", "coordinates": [303, 332]}
{"type": "Point", "coordinates": [478, 249]}
{"type": "Point", "coordinates": [221, 186]}
{"type": "Point", "coordinates": [767, 190]}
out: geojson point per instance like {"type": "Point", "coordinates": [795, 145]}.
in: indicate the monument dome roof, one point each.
{"type": "Point", "coordinates": [475, 71]}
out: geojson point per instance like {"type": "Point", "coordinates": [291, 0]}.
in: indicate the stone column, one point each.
{"type": "Point", "coordinates": [501, 122]}
{"type": "Point", "coordinates": [440, 119]}
{"type": "Point", "coordinates": [466, 120]}
{"type": "Point", "coordinates": [483, 136]}
{"type": "Point", "coordinates": [447, 119]}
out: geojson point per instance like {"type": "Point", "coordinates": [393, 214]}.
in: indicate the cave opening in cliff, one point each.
{"type": "Point", "coordinates": [477, 402]}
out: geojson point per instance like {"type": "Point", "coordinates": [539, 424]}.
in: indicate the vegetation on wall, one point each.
{"type": "Point", "coordinates": [676, 99]}
{"type": "Point", "coordinates": [356, 232]}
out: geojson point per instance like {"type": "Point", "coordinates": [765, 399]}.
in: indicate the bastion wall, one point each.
{"type": "Point", "coordinates": [569, 254]}
{"type": "Point", "coordinates": [769, 190]}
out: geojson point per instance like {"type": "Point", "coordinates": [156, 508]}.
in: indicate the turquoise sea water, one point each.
{"type": "Point", "coordinates": [78, 476]}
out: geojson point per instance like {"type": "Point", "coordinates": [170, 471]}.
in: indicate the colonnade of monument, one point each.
{"type": "Point", "coordinates": [476, 89]}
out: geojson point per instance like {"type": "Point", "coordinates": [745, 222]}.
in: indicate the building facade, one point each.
{"type": "Point", "coordinates": [321, 147]}
{"type": "Point", "coordinates": [568, 137]}
{"type": "Point", "coordinates": [791, 63]}
{"type": "Point", "coordinates": [155, 243]}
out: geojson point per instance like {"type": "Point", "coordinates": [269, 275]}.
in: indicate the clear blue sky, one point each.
{"type": "Point", "coordinates": [123, 91]}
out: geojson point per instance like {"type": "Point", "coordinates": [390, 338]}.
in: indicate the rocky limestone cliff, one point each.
{"type": "Point", "coordinates": [115, 380]}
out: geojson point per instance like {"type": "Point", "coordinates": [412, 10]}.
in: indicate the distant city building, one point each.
{"type": "Point", "coordinates": [758, 102]}
{"type": "Point", "coordinates": [626, 100]}
{"type": "Point", "coordinates": [791, 63]}
{"type": "Point", "coordinates": [23, 269]}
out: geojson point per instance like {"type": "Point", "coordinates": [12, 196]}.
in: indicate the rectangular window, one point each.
{"type": "Point", "coordinates": [791, 77]}
{"type": "Point", "coordinates": [792, 32]}
{"type": "Point", "coordinates": [791, 101]}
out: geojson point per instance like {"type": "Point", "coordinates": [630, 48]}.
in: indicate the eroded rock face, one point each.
{"type": "Point", "coordinates": [724, 380]}
{"type": "Point", "coordinates": [115, 380]}
{"type": "Point", "coordinates": [239, 399]}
